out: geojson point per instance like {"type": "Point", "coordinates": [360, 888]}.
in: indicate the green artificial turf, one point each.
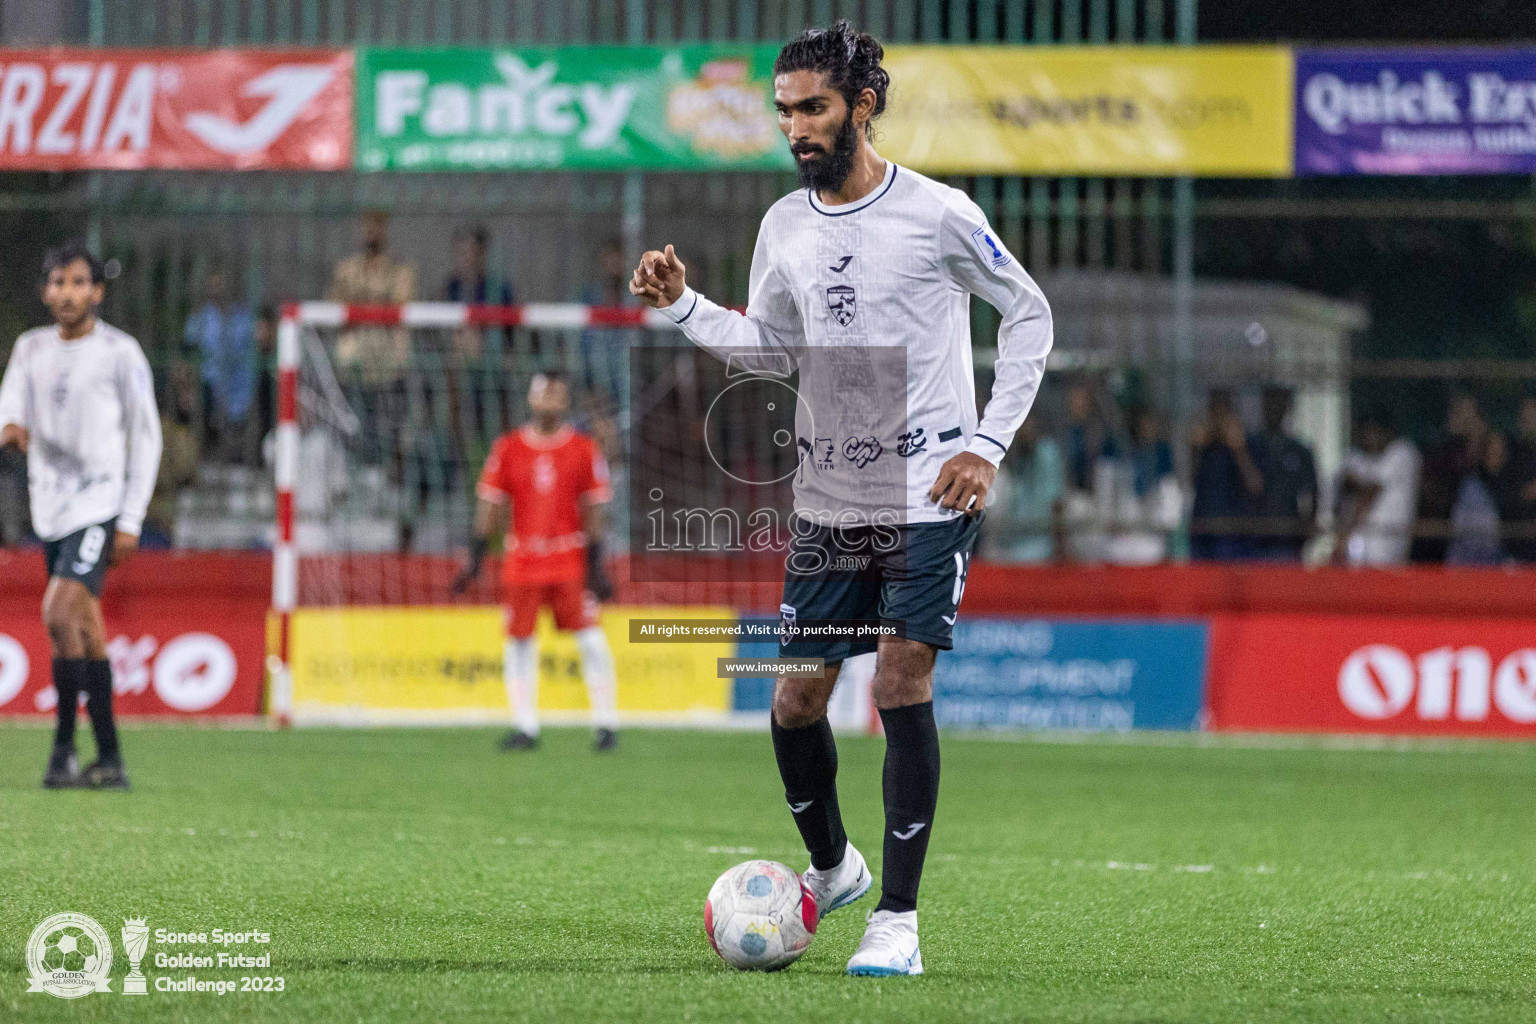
{"type": "Point", "coordinates": [419, 875]}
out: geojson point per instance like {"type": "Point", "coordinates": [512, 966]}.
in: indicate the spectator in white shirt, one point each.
{"type": "Point", "coordinates": [1379, 492]}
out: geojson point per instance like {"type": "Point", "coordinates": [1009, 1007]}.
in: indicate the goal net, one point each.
{"type": "Point", "coordinates": [386, 416]}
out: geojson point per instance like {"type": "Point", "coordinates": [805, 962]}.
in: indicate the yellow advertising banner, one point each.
{"type": "Point", "coordinates": [1216, 111]}
{"type": "Point", "coordinates": [443, 664]}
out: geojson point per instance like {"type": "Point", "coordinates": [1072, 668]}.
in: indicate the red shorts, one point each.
{"type": "Point", "coordinates": [573, 604]}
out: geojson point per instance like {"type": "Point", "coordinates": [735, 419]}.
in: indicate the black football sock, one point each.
{"type": "Point", "coordinates": [66, 680]}
{"type": "Point", "coordinates": [808, 765]}
{"type": "Point", "coordinates": [911, 785]}
{"type": "Point", "coordinates": [98, 688]}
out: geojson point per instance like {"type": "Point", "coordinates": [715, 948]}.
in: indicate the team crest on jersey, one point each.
{"type": "Point", "coordinates": [61, 390]}
{"type": "Point", "coordinates": [840, 300]}
{"type": "Point", "coordinates": [861, 451]}
{"type": "Point", "coordinates": [989, 249]}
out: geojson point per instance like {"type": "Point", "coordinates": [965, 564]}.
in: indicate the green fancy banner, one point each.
{"type": "Point", "coordinates": [700, 107]}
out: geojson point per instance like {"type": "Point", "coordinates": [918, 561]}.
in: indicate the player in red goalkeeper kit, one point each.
{"type": "Point", "coordinates": [553, 481]}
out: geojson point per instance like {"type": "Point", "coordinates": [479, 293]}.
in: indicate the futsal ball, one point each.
{"type": "Point", "coordinates": [760, 916]}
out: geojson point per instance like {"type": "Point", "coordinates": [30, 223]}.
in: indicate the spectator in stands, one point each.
{"type": "Point", "coordinates": [1085, 444]}
{"type": "Point", "coordinates": [1458, 516]}
{"type": "Point", "coordinates": [221, 335]}
{"type": "Point", "coordinates": [1517, 487]}
{"type": "Point", "coordinates": [605, 350]}
{"type": "Point", "coordinates": [1378, 489]}
{"type": "Point", "coordinates": [1144, 503]}
{"type": "Point", "coordinates": [372, 362]}
{"type": "Point", "coordinates": [1225, 480]}
{"type": "Point", "coordinates": [1285, 508]}
{"type": "Point", "coordinates": [471, 280]}
{"type": "Point", "coordinates": [266, 377]}
{"type": "Point", "coordinates": [179, 454]}
{"type": "Point", "coordinates": [373, 277]}
{"type": "Point", "coordinates": [1024, 506]}
{"type": "Point", "coordinates": [1085, 438]}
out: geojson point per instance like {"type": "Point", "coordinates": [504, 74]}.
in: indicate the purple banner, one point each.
{"type": "Point", "coordinates": [1459, 111]}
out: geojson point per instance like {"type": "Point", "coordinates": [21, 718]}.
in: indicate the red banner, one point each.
{"type": "Point", "coordinates": [186, 635]}
{"type": "Point", "coordinates": [220, 109]}
{"type": "Point", "coordinates": [1316, 673]}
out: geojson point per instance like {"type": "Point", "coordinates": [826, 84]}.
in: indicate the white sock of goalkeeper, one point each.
{"type": "Point", "coordinates": [597, 671]}
{"type": "Point", "coordinates": [520, 673]}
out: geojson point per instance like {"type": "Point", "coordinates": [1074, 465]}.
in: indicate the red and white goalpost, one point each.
{"type": "Point", "coordinates": [300, 317]}
{"type": "Point", "coordinates": [344, 448]}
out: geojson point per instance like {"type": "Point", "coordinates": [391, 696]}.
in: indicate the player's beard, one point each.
{"type": "Point", "coordinates": [828, 173]}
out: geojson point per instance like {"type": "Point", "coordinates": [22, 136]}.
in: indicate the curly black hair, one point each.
{"type": "Point", "coordinates": [63, 255]}
{"type": "Point", "coordinates": [850, 59]}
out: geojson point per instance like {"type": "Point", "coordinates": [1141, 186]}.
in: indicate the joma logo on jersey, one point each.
{"type": "Point", "coordinates": [840, 300]}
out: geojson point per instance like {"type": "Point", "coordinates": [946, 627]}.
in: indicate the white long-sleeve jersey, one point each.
{"type": "Point", "coordinates": [858, 296]}
{"type": "Point", "coordinates": [89, 405]}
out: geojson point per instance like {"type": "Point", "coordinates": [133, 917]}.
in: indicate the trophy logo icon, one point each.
{"type": "Point", "coordinates": [135, 942]}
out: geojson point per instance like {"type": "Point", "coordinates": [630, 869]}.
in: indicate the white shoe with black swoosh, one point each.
{"type": "Point", "coordinates": [839, 886]}
{"type": "Point", "coordinates": [889, 946]}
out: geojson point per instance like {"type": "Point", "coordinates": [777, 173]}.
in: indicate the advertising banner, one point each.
{"type": "Point", "coordinates": [444, 664]}
{"type": "Point", "coordinates": [1088, 675]}
{"type": "Point", "coordinates": [1115, 110]}
{"type": "Point", "coordinates": [698, 107]}
{"type": "Point", "coordinates": [192, 655]}
{"type": "Point", "coordinates": [1439, 111]}
{"type": "Point", "coordinates": [212, 109]}
{"type": "Point", "coordinates": [1316, 673]}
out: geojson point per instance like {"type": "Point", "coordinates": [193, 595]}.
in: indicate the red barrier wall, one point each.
{"type": "Point", "coordinates": [186, 634]}
{"type": "Point", "coordinates": [1429, 651]}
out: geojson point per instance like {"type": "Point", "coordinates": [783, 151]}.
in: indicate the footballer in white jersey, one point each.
{"type": "Point", "coordinates": [78, 399]}
{"type": "Point", "coordinates": [871, 266]}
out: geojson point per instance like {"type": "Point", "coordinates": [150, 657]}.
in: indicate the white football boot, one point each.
{"type": "Point", "coordinates": [839, 886]}
{"type": "Point", "coordinates": [889, 946]}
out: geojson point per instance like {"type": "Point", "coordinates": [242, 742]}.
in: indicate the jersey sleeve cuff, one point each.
{"type": "Point", "coordinates": [683, 308]}
{"type": "Point", "coordinates": [987, 447]}
{"type": "Point", "coordinates": [129, 524]}
{"type": "Point", "coordinates": [486, 492]}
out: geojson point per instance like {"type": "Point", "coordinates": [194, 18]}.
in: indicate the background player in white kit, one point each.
{"type": "Point", "coordinates": [78, 399]}
{"type": "Point", "coordinates": [874, 256]}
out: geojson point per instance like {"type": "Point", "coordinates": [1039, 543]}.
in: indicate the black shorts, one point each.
{"type": "Point", "coordinates": [908, 578]}
{"type": "Point", "coordinates": [82, 556]}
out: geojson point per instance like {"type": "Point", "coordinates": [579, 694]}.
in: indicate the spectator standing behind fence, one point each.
{"type": "Point", "coordinates": [605, 350]}
{"type": "Point", "coordinates": [179, 454]}
{"type": "Point", "coordinates": [1378, 490]}
{"type": "Point", "coordinates": [221, 334]}
{"type": "Point", "coordinates": [265, 414]}
{"type": "Point", "coordinates": [1143, 499]}
{"type": "Point", "coordinates": [1517, 487]}
{"type": "Point", "coordinates": [1225, 480]}
{"type": "Point", "coordinates": [1458, 516]}
{"type": "Point", "coordinates": [1285, 508]}
{"type": "Point", "coordinates": [1084, 445]}
{"type": "Point", "coordinates": [473, 282]}
{"type": "Point", "coordinates": [373, 277]}
{"type": "Point", "coordinates": [1024, 505]}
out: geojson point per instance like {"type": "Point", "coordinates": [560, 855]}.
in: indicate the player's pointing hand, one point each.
{"type": "Point", "coordinates": [659, 279]}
